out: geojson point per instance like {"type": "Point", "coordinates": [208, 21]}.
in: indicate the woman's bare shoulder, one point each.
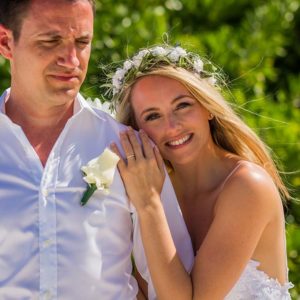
{"type": "Point", "coordinates": [249, 188]}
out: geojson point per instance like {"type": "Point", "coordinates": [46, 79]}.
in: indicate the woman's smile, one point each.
{"type": "Point", "coordinates": [178, 143]}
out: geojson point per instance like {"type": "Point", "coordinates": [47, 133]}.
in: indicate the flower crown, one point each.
{"type": "Point", "coordinates": [157, 56]}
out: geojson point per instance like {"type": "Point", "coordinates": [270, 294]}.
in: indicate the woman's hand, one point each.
{"type": "Point", "coordinates": [142, 171]}
{"type": "Point", "coordinates": [143, 175]}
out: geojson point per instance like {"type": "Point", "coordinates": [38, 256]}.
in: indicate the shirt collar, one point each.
{"type": "Point", "coordinates": [4, 97]}
{"type": "Point", "coordinates": [79, 103]}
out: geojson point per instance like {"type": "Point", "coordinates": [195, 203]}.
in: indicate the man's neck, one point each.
{"type": "Point", "coordinates": [42, 127]}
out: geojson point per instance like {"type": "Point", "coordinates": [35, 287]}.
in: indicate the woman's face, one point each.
{"type": "Point", "coordinates": [172, 117]}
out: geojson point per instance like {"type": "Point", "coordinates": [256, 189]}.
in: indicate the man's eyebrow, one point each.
{"type": "Point", "coordinates": [49, 33]}
{"type": "Point", "coordinates": [57, 34]}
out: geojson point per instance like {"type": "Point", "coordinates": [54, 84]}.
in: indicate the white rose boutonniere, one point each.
{"type": "Point", "coordinates": [99, 173]}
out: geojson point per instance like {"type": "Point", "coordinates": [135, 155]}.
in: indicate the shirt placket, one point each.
{"type": "Point", "coordinates": [47, 231]}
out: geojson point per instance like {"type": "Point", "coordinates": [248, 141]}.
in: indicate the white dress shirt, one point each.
{"type": "Point", "coordinates": [50, 246]}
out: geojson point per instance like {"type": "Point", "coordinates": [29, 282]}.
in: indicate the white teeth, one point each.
{"type": "Point", "coordinates": [180, 141]}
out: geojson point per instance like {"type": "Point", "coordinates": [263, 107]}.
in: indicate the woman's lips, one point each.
{"type": "Point", "coordinates": [180, 141]}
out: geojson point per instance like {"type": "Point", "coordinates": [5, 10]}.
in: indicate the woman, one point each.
{"type": "Point", "coordinates": [226, 184]}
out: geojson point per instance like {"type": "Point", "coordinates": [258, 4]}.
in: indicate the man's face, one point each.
{"type": "Point", "coordinates": [49, 61]}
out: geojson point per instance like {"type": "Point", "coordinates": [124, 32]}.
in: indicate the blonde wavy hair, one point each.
{"type": "Point", "coordinates": [228, 131]}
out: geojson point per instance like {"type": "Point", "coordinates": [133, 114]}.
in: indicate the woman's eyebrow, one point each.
{"type": "Point", "coordinates": [180, 97]}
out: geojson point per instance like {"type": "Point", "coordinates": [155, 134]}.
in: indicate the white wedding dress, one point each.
{"type": "Point", "coordinates": [257, 285]}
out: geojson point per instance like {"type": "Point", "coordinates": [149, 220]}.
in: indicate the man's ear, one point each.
{"type": "Point", "coordinates": [6, 41]}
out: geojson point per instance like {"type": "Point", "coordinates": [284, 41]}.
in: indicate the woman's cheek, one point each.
{"type": "Point", "coordinates": [152, 132]}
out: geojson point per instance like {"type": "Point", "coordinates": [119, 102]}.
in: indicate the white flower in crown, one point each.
{"type": "Point", "coordinates": [176, 53]}
{"type": "Point", "coordinates": [119, 75]}
{"type": "Point", "coordinates": [127, 65]}
{"type": "Point", "coordinates": [159, 51]}
{"type": "Point", "coordinates": [198, 65]}
{"type": "Point", "coordinates": [99, 173]}
{"type": "Point", "coordinates": [146, 59]}
{"type": "Point", "coordinates": [212, 80]}
{"type": "Point", "coordinates": [117, 80]}
{"type": "Point", "coordinates": [137, 59]}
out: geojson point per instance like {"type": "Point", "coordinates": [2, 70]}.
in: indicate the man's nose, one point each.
{"type": "Point", "coordinates": [68, 57]}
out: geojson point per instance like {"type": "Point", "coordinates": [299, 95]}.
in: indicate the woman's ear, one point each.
{"type": "Point", "coordinates": [210, 116]}
{"type": "Point", "coordinates": [6, 40]}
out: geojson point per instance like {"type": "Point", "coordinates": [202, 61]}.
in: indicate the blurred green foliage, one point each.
{"type": "Point", "coordinates": [257, 44]}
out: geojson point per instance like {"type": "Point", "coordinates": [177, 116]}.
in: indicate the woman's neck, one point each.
{"type": "Point", "coordinates": [204, 173]}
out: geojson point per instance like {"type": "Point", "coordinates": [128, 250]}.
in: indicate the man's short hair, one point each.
{"type": "Point", "coordinates": [12, 13]}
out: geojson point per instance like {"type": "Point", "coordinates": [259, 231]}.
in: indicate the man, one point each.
{"type": "Point", "coordinates": [50, 246]}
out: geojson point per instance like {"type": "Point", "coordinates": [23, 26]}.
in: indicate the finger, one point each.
{"type": "Point", "coordinates": [137, 148]}
{"type": "Point", "coordinates": [147, 145]}
{"type": "Point", "coordinates": [159, 160]}
{"type": "Point", "coordinates": [127, 147]}
{"type": "Point", "coordinates": [114, 148]}
{"type": "Point", "coordinates": [122, 166]}
{"type": "Point", "coordinates": [121, 163]}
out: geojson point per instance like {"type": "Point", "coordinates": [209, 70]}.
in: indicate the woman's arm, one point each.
{"type": "Point", "coordinates": [143, 177]}
{"type": "Point", "coordinates": [244, 209]}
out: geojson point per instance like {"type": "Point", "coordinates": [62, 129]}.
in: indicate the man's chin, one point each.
{"type": "Point", "coordinates": [67, 93]}
{"type": "Point", "coordinates": [59, 96]}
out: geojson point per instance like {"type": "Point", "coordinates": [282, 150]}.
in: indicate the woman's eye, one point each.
{"type": "Point", "coordinates": [183, 105]}
{"type": "Point", "coordinates": [152, 117]}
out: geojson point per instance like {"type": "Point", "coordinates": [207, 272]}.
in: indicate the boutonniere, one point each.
{"type": "Point", "coordinates": [99, 173]}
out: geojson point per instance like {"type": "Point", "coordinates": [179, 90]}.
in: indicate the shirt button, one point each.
{"type": "Point", "coordinates": [45, 192]}
{"type": "Point", "coordinates": [47, 295]}
{"type": "Point", "coordinates": [47, 243]}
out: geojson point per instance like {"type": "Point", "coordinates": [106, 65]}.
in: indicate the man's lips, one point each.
{"type": "Point", "coordinates": [64, 77]}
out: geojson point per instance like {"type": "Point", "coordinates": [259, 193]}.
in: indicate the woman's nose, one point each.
{"type": "Point", "coordinates": [173, 123]}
